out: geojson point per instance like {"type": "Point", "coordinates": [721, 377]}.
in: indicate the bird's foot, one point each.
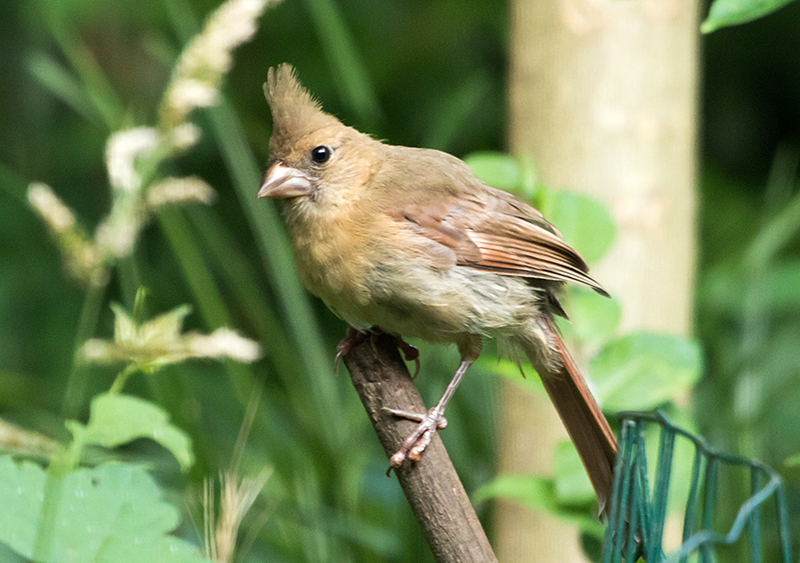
{"type": "Point", "coordinates": [418, 440]}
{"type": "Point", "coordinates": [354, 338]}
{"type": "Point", "coordinates": [410, 353]}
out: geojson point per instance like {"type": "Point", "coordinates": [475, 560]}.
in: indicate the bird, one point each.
{"type": "Point", "coordinates": [411, 241]}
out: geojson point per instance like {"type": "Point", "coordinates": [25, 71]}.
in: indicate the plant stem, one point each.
{"type": "Point", "coordinates": [122, 377]}
{"type": "Point", "coordinates": [87, 325]}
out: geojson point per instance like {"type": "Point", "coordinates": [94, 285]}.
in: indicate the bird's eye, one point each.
{"type": "Point", "coordinates": [321, 154]}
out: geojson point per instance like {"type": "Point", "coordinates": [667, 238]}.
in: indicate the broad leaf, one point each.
{"type": "Point", "coordinates": [498, 169]}
{"type": "Point", "coordinates": [584, 222]}
{"type": "Point", "coordinates": [538, 494]}
{"type": "Point", "coordinates": [525, 378]}
{"type": "Point", "coordinates": [793, 461]}
{"type": "Point", "coordinates": [572, 485]}
{"type": "Point", "coordinates": [110, 514]}
{"type": "Point", "coordinates": [732, 12]}
{"type": "Point", "coordinates": [644, 370]}
{"type": "Point", "coordinates": [118, 419]}
{"type": "Point", "coordinates": [595, 318]}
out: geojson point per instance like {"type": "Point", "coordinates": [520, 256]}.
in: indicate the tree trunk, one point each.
{"type": "Point", "coordinates": [602, 95]}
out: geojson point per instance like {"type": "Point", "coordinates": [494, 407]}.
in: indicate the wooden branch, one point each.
{"type": "Point", "coordinates": [431, 485]}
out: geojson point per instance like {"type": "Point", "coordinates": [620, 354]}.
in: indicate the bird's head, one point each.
{"type": "Point", "coordinates": [315, 161]}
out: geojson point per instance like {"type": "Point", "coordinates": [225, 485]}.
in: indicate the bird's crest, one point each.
{"type": "Point", "coordinates": [295, 112]}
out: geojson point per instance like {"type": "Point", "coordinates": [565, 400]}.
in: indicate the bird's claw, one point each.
{"type": "Point", "coordinates": [420, 438]}
{"type": "Point", "coordinates": [354, 338]}
{"type": "Point", "coordinates": [410, 353]}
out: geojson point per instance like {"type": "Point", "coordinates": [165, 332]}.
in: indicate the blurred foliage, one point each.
{"type": "Point", "coordinates": [639, 371]}
{"type": "Point", "coordinates": [418, 73]}
{"type": "Point", "coordinates": [98, 515]}
{"type": "Point", "coordinates": [732, 12]}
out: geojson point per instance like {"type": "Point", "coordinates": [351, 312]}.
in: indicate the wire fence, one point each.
{"type": "Point", "coordinates": [638, 515]}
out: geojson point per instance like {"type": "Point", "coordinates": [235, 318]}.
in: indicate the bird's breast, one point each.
{"type": "Point", "coordinates": [332, 257]}
{"type": "Point", "coordinates": [371, 272]}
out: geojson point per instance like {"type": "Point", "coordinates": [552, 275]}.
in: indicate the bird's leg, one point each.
{"type": "Point", "coordinates": [469, 346]}
{"type": "Point", "coordinates": [415, 444]}
{"type": "Point", "coordinates": [354, 338]}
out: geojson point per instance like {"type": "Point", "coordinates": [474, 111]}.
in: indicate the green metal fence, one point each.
{"type": "Point", "coordinates": [637, 516]}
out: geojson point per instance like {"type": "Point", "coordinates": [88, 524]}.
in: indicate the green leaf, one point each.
{"type": "Point", "coordinates": [113, 513]}
{"type": "Point", "coordinates": [781, 230]}
{"type": "Point", "coordinates": [347, 64]}
{"type": "Point", "coordinates": [498, 169]}
{"type": "Point", "coordinates": [732, 12]}
{"type": "Point", "coordinates": [62, 84]}
{"type": "Point", "coordinates": [538, 494]}
{"type": "Point", "coordinates": [584, 222]}
{"type": "Point", "coordinates": [793, 461]}
{"type": "Point", "coordinates": [118, 419]}
{"type": "Point", "coordinates": [722, 289]}
{"type": "Point", "coordinates": [511, 371]}
{"type": "Point", "coordinates": [644, 370]}
{"type": "Point", "coordinates": [454, 115]}
{"type": "Point", "coordinates": [529, 490]}
{"type": "Point", "coordinates": [124, 327]}
{"type": "Point", "coordinates": [595, 318]}
{"type": "Point", "coordinates": [572, 485]}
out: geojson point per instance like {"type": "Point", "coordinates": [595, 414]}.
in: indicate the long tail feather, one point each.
{"type": "Point", "coordinates": [582, 417]}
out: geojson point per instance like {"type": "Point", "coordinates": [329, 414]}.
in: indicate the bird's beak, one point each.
{"type": "Point", "coordinates": [283, 181]}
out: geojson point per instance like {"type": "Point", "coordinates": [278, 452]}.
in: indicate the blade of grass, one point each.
{"type": "Point", "coordinates": [98, 88]}
{"type": "Point", "coordinates": [74, 394]}
{"type": "Point", "coordinates": [774, 235]}
{"type": "Point", "coordinates": [214, 310]}
{"type": "Point", "coordinates": [457, 110]}
{"type": "Point", "coordinates": [207, 295]}
{"type": "Point", "coordinates": [211, 307]}
{"type": "Point", "coordinates": [274, 250]}
{"type": "Point", "coordinates": [349, 69]}
{"type": "Point", "coordinates": [273, 247]}
{"type": "Point", "coordinates": [238, 274]}
{"type": "Point", "coordinates": [14, 184]}
{"type": "Point", "coordinates": [57, 79]}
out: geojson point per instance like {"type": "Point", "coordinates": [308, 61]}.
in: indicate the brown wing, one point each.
{"type": "Point", "coordinates": [492, 231]}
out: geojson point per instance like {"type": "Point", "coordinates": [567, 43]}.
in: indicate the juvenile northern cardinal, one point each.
{"type": "Point", "coordinates": [409, 240]}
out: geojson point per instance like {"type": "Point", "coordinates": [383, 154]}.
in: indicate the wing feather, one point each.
{"type": "Point", "coordinates": [492, 231]}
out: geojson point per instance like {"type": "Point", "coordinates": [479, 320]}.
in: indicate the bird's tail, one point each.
{"type": "Point", "coordinates": [582, 417]}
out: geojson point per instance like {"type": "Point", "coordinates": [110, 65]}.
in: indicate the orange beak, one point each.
{"type": "Point", "coordinates": [283, 181]}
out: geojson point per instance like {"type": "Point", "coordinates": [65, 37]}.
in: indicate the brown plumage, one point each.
{"type": "Point", "coordinates": [411, 241]}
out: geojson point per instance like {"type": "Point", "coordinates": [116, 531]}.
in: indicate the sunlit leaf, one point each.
{"type": "Point", "coordinates": [538, 494]}
{"type": "Point", "coordinates": [572, 485]}
{"type": "Point", "coordinates": [594, 317]}
{"type": "Point", "coordinates": [732, 12]}
{"type": "Point", "coordinates": [118, 419]}
{"type": "Point", "coordinates": [793, 461]}
{"type": "Point", "coordinates": [498, 169]}
{"type": "Point", "coordinates": [584, 222]}
{"type": "Point", "coordinates": [643, 370]}
{"type": "Point", "coordinates": [510, 371]}
{"type": "Point", "coordinates": [113, 513]}
{"type": "Point", "coordinates": [530, 490]}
